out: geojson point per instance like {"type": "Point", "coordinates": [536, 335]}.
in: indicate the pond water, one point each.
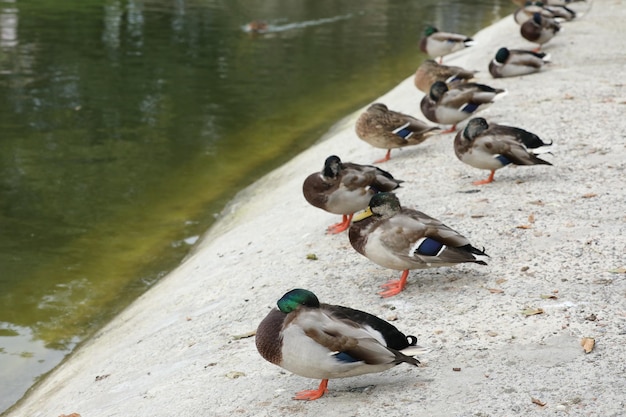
{"type": "Point", "coordinates": [126, 125]}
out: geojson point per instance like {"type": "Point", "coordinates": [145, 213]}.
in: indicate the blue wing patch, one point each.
{"type": "Point", "coordinates": [503, 160]}
{"type": "Point", "coordinates": [428, 247]}
{"type": "Point", "coordinates": [344, 357]}
{"type": "Point", "coordinates": [470, 107]}
{"type": "Point", "coordinates": [403, 131]}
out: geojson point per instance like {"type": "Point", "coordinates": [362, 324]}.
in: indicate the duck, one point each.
{"type": "Point", "coordinates": [388, 129]}
{"type": "Point", "coordinates": [345, 187]}
{"type": "Point", "coordinates": [324, 341]}
{"type": "Point", "coordinates": [437, 44]}
{"type": "Point", "coordinates": [539, 30]}
{"type": "Point", "coordinates": [256, 26]}
{"type": "Point", "coordinates": [515, 62]}
{"type": "Point", "coordinates": [493, 146]}
{"type": "Point", "coordinates": [403, 239]}
{"type": "Point", "coordinates": [450, 106]}
{"type": "Point", "coordinates": [430, 71]}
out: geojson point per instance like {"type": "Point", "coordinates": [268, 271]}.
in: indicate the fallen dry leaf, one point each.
{"type": "Point", "coordinates": [590, 195]}
{"type": "Point", "coordinates": [588, 344]}
{"type": "Point", "coordinates": [532, 311]}
{"type": "Point", "coordinates": [501, 281]}
{"type": "Point", "coordinates": [234, 374]}
{"type": "Point", "coordinates": [495, 290]}
{"type": "Point", "coordinates": [244, 335]}
{"type": "Point", "coordinates": [70, 415]}
{"type": "Point", "coordinates": [537, 203]}
{"type": "Point", "coordinates": [549, 296]}
{"type": "Point", "coordinates": [524, 226]}
{"type": "Point", "coordinates": [531, 218]}
{"type": "Point", "coordinates": [620, 270]}
{"type": "Point", "coordinates": [538, 402]}
{"type": "Point", "coordinates": [456, 369]}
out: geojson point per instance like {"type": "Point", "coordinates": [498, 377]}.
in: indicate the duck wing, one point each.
{"type": "Point", "coordinates": [417, 237]}
{"type": "Point", "coordinates": [507, 148]}
{"type": "Point", "coordinates": [348, 340]}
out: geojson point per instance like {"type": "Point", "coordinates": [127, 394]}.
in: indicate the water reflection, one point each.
{"type": "Point", "coordinates": [125, 125]}
{"type": "Point", "coordinates": [8, 26]}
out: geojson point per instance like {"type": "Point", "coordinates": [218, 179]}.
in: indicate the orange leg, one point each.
{"type": "Point", "coordinates": [340, 227]}
{"type": "Point", "coordinates": [395, 287]}
{"type": "Point", "coordinates": [313, 394]}
{"type": "Point", "coordinates": [486, 181]}
{"type": "Point", "coordinates": [452, 129]}
{"type": "Point", "coordinates": [386, 158]}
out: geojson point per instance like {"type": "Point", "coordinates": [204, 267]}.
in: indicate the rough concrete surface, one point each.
{"type": "Point", "coordinates": [556, 236]}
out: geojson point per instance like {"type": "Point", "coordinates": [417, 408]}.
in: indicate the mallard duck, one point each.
{"type": "Point", "coordinates": [539, 30]}
{"type": "Point", "coordinates": [492, 146]}
{"type": "Point", "coordinates": [514, 62]}
{"type": "Point", "coordinates": [430, 71]}
{"type": "Point", "coordinates": [345, 187]}
{"type": "Point", "coordinates": [256, 26]}
{"type": "Point", "coordinates": [403, 239]}
{"type": "Point", "coordinates": [437, 44]}
{"type": "Point", "coordinates": [388, 129]}
{"type": "Point", "coordinates": [450, 106]}
{"type": "Point", "coordinates": [324, 341]}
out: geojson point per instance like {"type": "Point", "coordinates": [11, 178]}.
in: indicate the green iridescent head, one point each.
{"type": "Point", "coordinates": [332, 166]}
{"type": "Point", "coordinates": [294, 298]}
{"type": "Point", "coordinates": [438, 89]}
{"type": "Point", "coordinates": [430, 30]}
{"type": "Point", "coordinates": [385, 205]}
{"type": "Point", "coordinates": [502, 55]}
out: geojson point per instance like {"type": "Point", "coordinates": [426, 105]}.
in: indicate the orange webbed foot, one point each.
{"type": "Point", "coordinates": [487, 180]}
{"type": "Point", "coordinates": [341, 226]}
{"type": "Point", "coordinates": [313, 394]}
{"type": "Point", "coordinates": [394, 287]}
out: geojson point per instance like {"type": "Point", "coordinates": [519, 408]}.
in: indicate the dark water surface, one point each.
{"type": "Point", "coordinates": [125, 125]}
